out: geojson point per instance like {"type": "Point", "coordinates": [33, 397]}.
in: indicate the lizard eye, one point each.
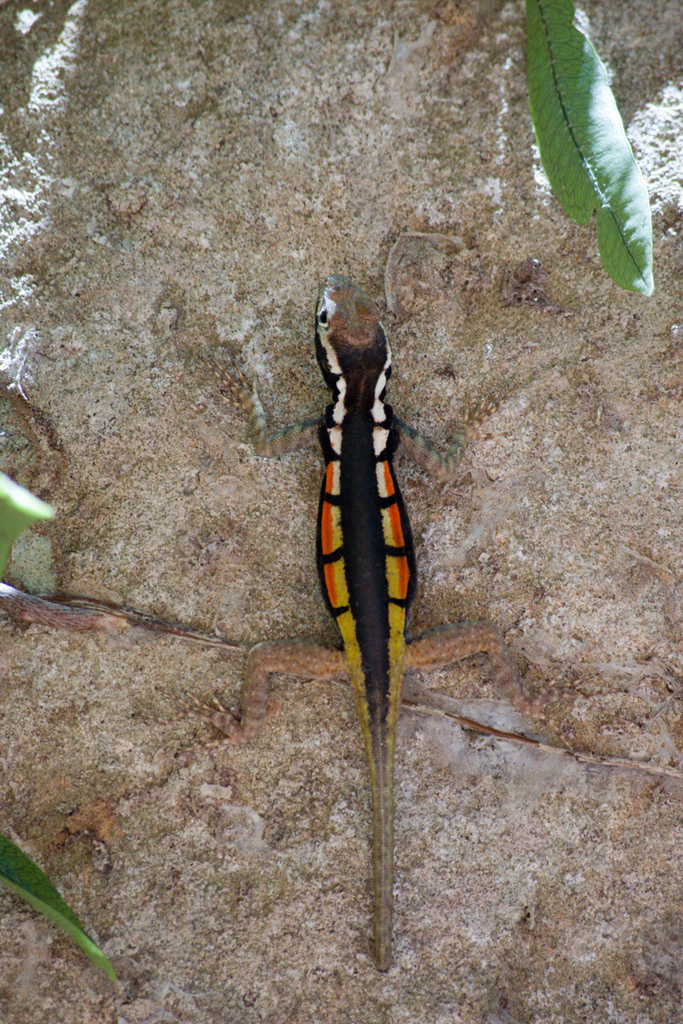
{"type": "Point", "coordinates": [322, 317]}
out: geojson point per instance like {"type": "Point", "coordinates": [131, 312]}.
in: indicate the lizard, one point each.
{"type": "Point", "coordinates": [366, 561]}
{"type": "Point", "coordinates": [366, 565]}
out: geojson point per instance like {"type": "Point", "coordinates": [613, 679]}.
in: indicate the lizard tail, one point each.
{"type": "Point", "coordinates": [382, 778]}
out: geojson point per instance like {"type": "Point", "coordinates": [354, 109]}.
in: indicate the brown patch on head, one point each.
{"type": "Point", "coordinates": [357, 316]}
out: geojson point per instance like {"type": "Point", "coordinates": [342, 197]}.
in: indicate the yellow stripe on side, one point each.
{"type": "Point", "coordinates": [397, 567]}
{"type": "Point", "coordinates": [330, 523]}
{"type": "Point", "coordinates": [331, 541]}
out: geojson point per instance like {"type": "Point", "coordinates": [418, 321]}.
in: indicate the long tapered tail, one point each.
{"type": "Point", "coordinates": [378, 705]}
{"type": "Point", "coordinates": [382, 779]}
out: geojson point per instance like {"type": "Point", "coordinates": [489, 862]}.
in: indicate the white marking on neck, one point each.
{"type": "Point", "coordinates": [332, 360]}
{"type": "Point", "coordinates": [339, 410]}
{"type": "Point", "coordinates": [378, 412]}
{"type": "Point", "coordinates": [335, 436]}
{"type": "Point", "coordinates": [380, 438]}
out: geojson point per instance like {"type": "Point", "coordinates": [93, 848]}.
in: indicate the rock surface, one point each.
{"type": "Point", "coordinates": [177, 178]}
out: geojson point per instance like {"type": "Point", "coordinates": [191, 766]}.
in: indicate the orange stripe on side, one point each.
{"type": "Point", "coordinates": [398, 576]}
{"type": "Point", "coordinates": [403, 572]}
{"type": "Point", "coordinates": [388, 481]}
{"type": "Point", "coordinates": [396, 540]}
{"type": "Point", "coordinates": [398, 569]}
{"type": "Point", "coordinates": [335, 584]}
{"type": "Point", "coordinates": [327, 528]}
{"type": "Point", "coordinates": [327, 517]}
{"type": "Point", "coordinates": [331, 584]}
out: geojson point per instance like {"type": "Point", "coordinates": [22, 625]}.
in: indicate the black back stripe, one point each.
{"type": "Point", "coordinates": [396, 552]}
{"type": "Point", "coordinates": [341, 610]}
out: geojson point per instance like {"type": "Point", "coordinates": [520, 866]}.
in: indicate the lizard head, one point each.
{"type": "Point", "coordinates": [350, 343]}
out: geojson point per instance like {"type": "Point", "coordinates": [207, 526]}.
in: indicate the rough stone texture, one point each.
{"type": "Point", "coordinates": [177, 178]}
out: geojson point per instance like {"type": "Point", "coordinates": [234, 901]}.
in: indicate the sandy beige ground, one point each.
{"type": "Point", "coordinates": [177, 178]}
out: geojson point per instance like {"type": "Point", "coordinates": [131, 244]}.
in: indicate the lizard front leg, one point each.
{"type": "Point", "coordinates": [428, 457]}
{"type": "Point", "coordinates": [266, 445]}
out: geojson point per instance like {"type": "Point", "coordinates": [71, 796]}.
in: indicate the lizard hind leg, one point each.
{"type": "Point", "coordinates": [287, 657]}
{"type": "Point", "coordinates": [437, 648]}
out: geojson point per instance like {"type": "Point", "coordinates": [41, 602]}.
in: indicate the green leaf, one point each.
{"type": "Point", "coordinates": [584, 149]}
{"type": "Point", "coordinates": [19, 509]}
{"type": "Point", "coordinates": [21, 875]}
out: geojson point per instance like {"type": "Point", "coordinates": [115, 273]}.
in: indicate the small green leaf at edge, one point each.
{"type": "Point", "coordinates": [18, 510]}
{"type": "Point", "coordinates": [19, 873]}
{"type": "Point", "coordinates": [583, 147]}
